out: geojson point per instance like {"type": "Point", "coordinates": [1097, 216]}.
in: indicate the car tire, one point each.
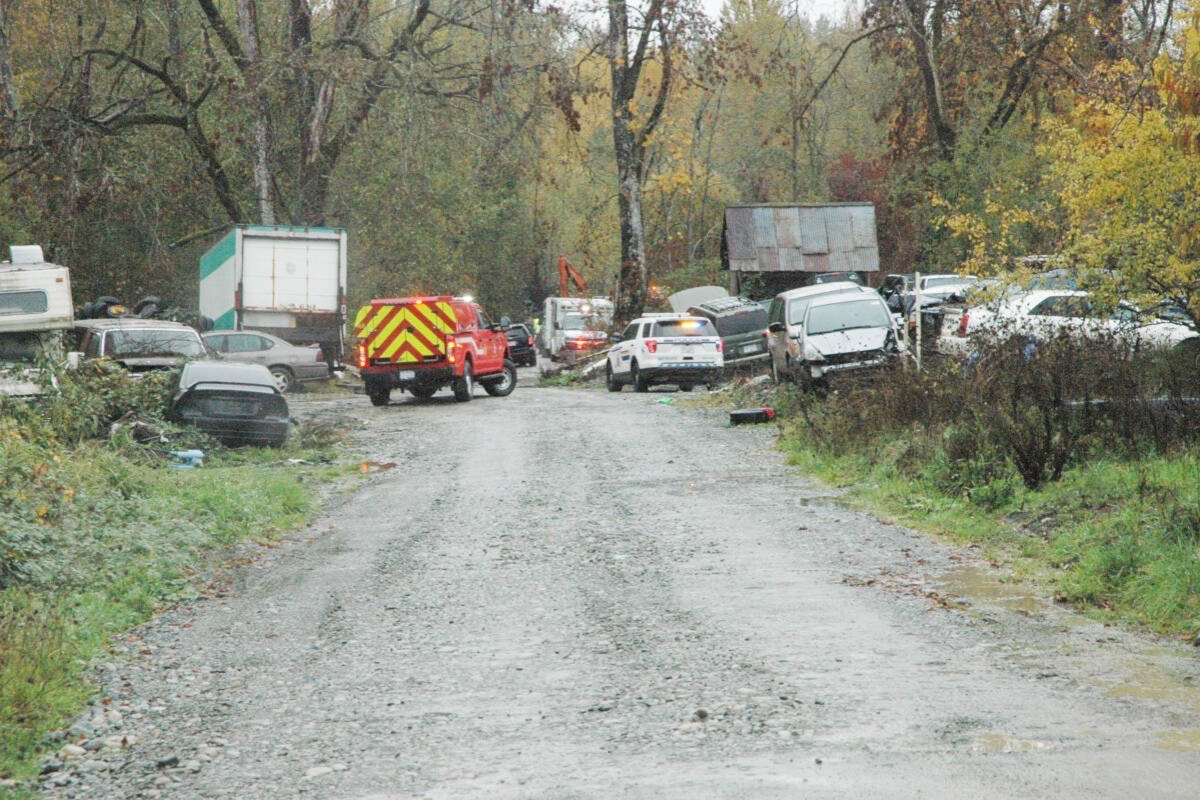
{"type": "Point", "coordinates": [285, 381]}
{"type": "Point", "coordinates": [610, 380]}
{"type": "Point", "coordinates": [378, 394]}
{"type": "Point", "coordinates": [464, 386]}
{"type": "Point", "coordinates": [503, 386]}
{"type": "Point", "coordinates": [685, 387]}
{"type": "Point", "coordinates": [635, 375]}
{"type": "Point", "coordinates": [422, 392]}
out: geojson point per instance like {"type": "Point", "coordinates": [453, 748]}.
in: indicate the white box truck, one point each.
{"type": "Point", "coordinates": [284, 280]}
{"type": "Point", "coordinates": [574, 328]}
{"type": "Point", "coordinates": [35, 308]}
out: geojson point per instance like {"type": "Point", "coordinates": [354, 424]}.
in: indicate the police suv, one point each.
{"type": "Point", "coordinates": [665, 348]}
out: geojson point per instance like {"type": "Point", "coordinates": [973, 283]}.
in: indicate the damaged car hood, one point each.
{"type": "Point", "coordinates": [855, 340]}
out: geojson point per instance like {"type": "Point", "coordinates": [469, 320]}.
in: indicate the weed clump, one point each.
{"type": "Point", "coordinates": [1099, 437]}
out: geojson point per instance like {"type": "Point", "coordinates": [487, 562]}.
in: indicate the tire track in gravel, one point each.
{"type": "Point", "coordinates": [571, 594]}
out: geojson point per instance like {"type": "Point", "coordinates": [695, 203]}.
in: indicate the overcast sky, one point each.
{"type": "Point", "coordinates": [813, 8]}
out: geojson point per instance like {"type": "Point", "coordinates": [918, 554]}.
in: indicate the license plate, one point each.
{"type": "Point", "coordinates": [751, 348]}
{"type": "Point", "coordinates": [233, 408]}
{"type": "Point", "coordinates": [407, 374]}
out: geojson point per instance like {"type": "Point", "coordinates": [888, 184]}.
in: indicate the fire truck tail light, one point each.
{"type": "Point", "coordinates": [362, 355]}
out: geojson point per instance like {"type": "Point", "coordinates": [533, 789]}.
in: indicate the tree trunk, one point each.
{"type": "Point", "coordinates": [264, 195]}
{"type": "Point", "coordinates": [629, 144]}
{"type": "Point", "coordinates": [631, 285]}
{"type": "Point", "coordinates": [8, 93]}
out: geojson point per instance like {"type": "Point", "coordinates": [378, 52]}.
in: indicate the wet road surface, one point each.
{"type": "Point", "coordinates": [571, 594]}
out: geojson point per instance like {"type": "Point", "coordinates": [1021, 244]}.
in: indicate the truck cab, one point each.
{"type": "Point", "coordinates": [575, 327]}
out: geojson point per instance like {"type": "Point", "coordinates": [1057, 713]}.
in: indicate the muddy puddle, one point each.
{"type": "Point", "coordinates": [984, 586]}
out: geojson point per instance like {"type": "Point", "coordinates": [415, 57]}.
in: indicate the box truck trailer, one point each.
{"type": "Point", "coordinates": [285, 280]}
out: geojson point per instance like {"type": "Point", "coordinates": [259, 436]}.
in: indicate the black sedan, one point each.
{"type": "Point", "coordinates": [520, 345]}
{"type": "Point", "coordinates": [233, 402]}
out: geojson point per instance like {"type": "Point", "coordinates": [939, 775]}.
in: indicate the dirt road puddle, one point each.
{"type": "Point", "coordinates": [1186, 741]}
{"type": "Point", "coordinates": [1003, 743]}
{"type": "Point", "coordinates": [983, 586]}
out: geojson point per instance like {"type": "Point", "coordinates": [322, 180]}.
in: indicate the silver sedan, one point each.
{"type": "Point", "coordinates": [289, 364]}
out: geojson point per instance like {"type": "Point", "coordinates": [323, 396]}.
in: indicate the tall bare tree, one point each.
{"type": "Point", "coordinates": [628, 47]}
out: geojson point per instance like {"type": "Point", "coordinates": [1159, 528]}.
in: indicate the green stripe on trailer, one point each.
{"type": "Point", "coordinates": [226, 322]}
{"type": "Point", "coordinates": [218, 254]}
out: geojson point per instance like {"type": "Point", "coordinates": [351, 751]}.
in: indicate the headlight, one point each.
{"type": "Point", "coordinates": [811, 353]}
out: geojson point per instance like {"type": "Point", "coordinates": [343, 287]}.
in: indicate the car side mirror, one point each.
{"type": "Point", "coordinates": [775, 327]}
{"type": "Point", "coordinates": [613, 338]}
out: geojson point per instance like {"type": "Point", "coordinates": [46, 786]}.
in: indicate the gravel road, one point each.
{"type": "Point", "coordinates": [571, 594]}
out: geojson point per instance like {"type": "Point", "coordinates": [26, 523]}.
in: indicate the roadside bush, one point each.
{"type": "Point", "coordinates": [1030, 407]}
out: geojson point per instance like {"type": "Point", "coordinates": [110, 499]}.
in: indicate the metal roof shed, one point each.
{"type": "Point", "coordinates": [784, 240]}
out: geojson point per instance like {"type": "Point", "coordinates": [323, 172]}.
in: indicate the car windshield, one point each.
{"type": "Point", "coordinates": [946, 280]}
{"type": "Point", "coordinates": [150, 342]}
{"type": "Point", "coordinates": [682, 327]}
{"type": "Point", "coordinates": [847, 316]}
{"type": "Point", "coordinates": [518, 333]}
{"type": "Point", "coordinates": [797, 307]}
{"type": "Point", "coordinates": [19, 346]}
{"type": "Point", "coordinates": [573, 322]}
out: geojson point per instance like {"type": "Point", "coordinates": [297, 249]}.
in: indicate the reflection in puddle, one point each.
{"type": "Point", "coordinates": [982, 584]}
{"type": "Point", "coordinates": [1003, 743]}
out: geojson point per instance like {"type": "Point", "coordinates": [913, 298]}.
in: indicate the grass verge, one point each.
{"type": "Point", "coordinates": [96, 537]}
{"type": "Point", "coordinates": [1117, 535]}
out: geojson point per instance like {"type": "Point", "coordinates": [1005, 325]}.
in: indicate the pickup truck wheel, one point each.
{"type": "Point", "coordinates": [464, 386]}
{"type": "Point", "coordinates": [685, 387]}
{"type": "Point", "coordinates": [285, 381]}
{"type": "Point", "coordinates": [610, 380]}
{"type": "Point", "coordinates": [379, 394]}
{"type": "Point", "coordinates": [639, 383]}
{"type": "Point", "coordinates": [503, 386]}
{"type": "Point", "coordinates": [422, 392]}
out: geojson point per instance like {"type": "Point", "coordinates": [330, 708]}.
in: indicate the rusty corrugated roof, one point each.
{"type": "Point", "coordinates": [831, 237]}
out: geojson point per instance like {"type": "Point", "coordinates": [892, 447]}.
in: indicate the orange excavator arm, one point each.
{"type": "Point", "coordinates": [567, 274]}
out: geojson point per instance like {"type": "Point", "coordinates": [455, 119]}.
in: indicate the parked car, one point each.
{"type": "Point", "coordinates": [289, 364]}
{"type": "Point", "coordinates": [785, 318]}
{"type": "Point", "coordinates": [521, 346]}
{"type": "Point", "coordinates": [1043, 313]}
{"type": "Point", "coordinates": [815, 335]}
{"type": "Point", "coordinates": [234, 402]}
{"type": "Point", "coordinates": [833, 277]}
{"type": "Point", "coordinates": [665, 348]}
{"type": "Point", "coordinates": [741, 324]}
{"type": "Point", "coordinates": [139, 344]}
{"type": "Point", "coordinates": [899, 290]}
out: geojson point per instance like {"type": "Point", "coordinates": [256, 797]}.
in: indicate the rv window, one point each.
{"type": "Point", "coordinates": [33, 302]}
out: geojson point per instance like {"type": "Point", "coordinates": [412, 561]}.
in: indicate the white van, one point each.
{"type": "Point", "coordinates": [819, 330]}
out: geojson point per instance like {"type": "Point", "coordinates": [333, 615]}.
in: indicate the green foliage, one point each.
{"type": "Point", "coordinates": [38, 649]}
{"type": "Point", "coordinates": [1066, 455]}
{"type": "Point", "coordinates": [97, 531]}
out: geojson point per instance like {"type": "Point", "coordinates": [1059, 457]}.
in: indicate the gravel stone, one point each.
{"type": "Point", "coordinates": [544, 591]}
